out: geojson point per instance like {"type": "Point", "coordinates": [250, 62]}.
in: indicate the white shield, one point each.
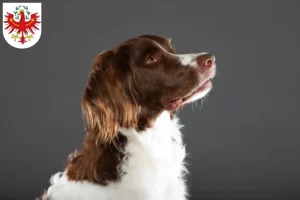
{"type": "Point", "coordinates": [22, 24]}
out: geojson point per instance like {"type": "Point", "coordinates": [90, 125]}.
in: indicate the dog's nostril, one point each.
{"type": "Point", "coordinates": [209, 63]}
{"type": "Point", "coordinates": [206, 60]}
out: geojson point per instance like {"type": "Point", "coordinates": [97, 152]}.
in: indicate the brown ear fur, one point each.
{"type": "Point", "coordinates": [105, 104]}
{"type": "Point", "coordinates": [108, 103]}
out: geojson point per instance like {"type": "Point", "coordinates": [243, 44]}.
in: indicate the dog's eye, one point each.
{"type": "Point", "coordinates": [151, 60]}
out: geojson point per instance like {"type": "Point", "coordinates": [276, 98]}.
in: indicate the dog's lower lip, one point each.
{"type": "Point", "coordinates": [202, 86]}
{"type": "Point", "coordinates": [199, 89]}
{"type": "Point", "coordinates": [182, 100]}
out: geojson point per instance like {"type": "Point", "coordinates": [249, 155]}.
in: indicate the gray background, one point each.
{"type": "Point", "coordinates": [243, 142]}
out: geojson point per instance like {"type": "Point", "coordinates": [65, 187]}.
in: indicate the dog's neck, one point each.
{"type": "Point", "coordinates": [161, 121]}
{"type": "Point", "coordinates": [100, 163]}
{"type": "Point", "coordinates": [148, 165]}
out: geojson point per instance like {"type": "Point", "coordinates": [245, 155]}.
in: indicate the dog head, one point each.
{"type": "Point", "coordinates": [131, 84]}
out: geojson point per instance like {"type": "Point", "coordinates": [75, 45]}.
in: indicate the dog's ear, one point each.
{"type": "Point", "coordinates": [106, 104]}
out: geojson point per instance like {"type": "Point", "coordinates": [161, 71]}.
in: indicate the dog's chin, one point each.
{"type": "Point", "coordinates": [203, 89]}
{"type": "Point", "coordinates": [199, 93]}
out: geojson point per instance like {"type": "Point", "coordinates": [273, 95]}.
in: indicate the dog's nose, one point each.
{"type": "Point", "coordinates": [206, 60]}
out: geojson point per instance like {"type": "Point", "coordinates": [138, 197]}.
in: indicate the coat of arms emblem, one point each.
{"type": "Point", "coordinates": [22, 24]}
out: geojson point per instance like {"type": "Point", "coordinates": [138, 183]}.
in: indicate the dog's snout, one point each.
{"type": "Point", "coordinates": [206, 60]}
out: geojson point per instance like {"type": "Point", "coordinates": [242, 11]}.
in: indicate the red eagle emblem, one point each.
{"type": "Point", "coordinates": [24, 26]}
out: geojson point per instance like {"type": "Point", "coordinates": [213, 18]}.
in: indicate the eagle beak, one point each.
{"type": "Point", "coordinates": [21, 11]}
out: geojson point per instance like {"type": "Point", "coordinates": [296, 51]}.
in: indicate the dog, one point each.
{"type": "Point", "coordinates": [133, 149]}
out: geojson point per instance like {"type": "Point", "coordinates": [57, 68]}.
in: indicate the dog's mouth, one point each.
{"type": "Point", "coordinates": [200, 92]}
{"type": "Point", "coordinates": [196, 94]}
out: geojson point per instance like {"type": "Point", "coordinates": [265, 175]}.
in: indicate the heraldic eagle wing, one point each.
{"type": "Point", "coordinates": [22, 26]}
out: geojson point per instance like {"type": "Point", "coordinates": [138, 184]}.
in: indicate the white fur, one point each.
{"type": "Point", "coordinates": [189, 59]}
{"type": "Point", "coordinates": [185, 59]}
{"type": "Point", "coordinates": [154, 168]}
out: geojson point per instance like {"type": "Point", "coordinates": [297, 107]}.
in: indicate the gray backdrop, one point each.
{"type": "Point", "coordinates": [244, 140]}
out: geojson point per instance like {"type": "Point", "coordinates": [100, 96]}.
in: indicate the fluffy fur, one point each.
{"type": "Point", "coordinates": [133, 147]}
{"type": "Point", "coordinates": [155, 169]}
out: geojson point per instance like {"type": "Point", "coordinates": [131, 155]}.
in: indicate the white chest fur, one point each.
{"type": "Point", "coordinates": [154, 168]}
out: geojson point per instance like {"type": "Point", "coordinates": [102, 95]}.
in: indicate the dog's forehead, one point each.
{"type": "Point", "coordinates": [162, 41]}
{"type": "Point", "coordinates": [156, 38]}
{"type": "Point", "coordinates": [148, 39]}
{"type": "Point", "coordinates": [159, 42]}
{"type": "Point", "coordinates": [142, 42]}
